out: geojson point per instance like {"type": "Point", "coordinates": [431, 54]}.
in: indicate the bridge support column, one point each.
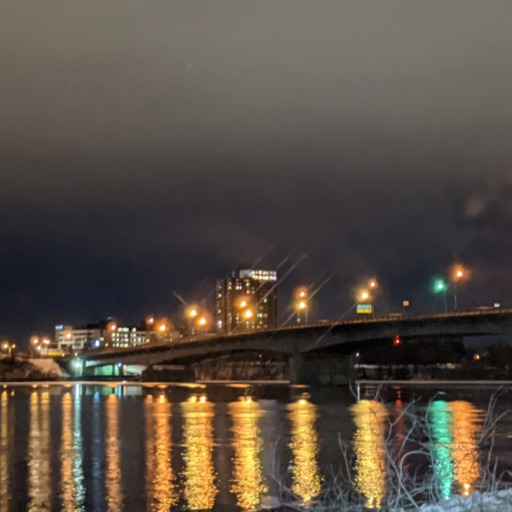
{"type": "Point", "coordinates": [321, 369]}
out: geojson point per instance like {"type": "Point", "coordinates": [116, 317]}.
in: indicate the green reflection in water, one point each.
{"type": "Point", "coordinates": [370, 480]}
{"type": "Point", "coordinates": [200, 488]}
{"type": "Point", "coordinates": [439, 417]}
{"type": "Point", "coordinates": [4, 452]}
{"type": "Point", "coordinates": [247, 478]}
{"type": "Point", "coordinates": [112, 472]}
{"type": "Point", "coordinates": [39, 472]}
{"type": "Point", "coordinates": [160, 487]}
{"type": "Point", "coordinates": [304, 445]}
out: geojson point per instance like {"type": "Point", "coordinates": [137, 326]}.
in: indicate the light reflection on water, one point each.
{"type": "Point", "coordinates": [174, 452]}
{"type": "Point", "coordinates": [200, 486]}
{"type": "Point", "coordinates": [112, 472]}
{"type": "Point", "coordinates": [370, 420]}
{"type": "Point", "coordinates": [304, 445]}
{"type": "Point", "coordinates": [248, 484]}
{"type": "Point", "coordinates": [160, 486]}
{"type": "Point", "coordinates": [4, 451]}
{"type": "Point", "coordinates": [71, 473]}
{"type": "Point", "coordinates": [39, 452]}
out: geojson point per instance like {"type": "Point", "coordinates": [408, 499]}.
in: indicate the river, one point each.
{"type": "Point", "coordinates": [161, 447]}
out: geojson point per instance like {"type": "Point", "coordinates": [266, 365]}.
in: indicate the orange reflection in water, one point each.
{"type": "Point", "coordinates": [248, 478]}
{"type": "Point", "coordinates": [160, 487]}
{"type": "Point", "coordinates": [113, 472]}
{"type": "Point", "coordinates": [466, 425]}
{"type": "Point", "coordinates": [369, 418]}
{"type": "Point", "coordinates": [72, 489]}
{"type": "Point", "coordinates": [66, 457]}
{"type": "Point", "coordinates": [304, 446]}
{"type": "Point", "coordinates": [4, 453]}
{"type": "Point", "coordinates": [200, 488]}
{"type": "Point", "coordinates": [39, 472]}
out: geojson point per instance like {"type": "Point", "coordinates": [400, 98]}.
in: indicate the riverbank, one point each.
{"type": "Point", "coordinates": [432, 382]}
{"type": "Point", "coordinates": [498, 501]}
{"type": "Point", "coordinates": [29, 370]}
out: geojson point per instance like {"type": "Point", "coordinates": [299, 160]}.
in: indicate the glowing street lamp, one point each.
{"type": "Point", "coordinates": [34, 344]}
{"type": "Point", "coordinates": [192, 312]}
{"type": "Point", "coordinates": [364, 296]}
{"type": "Point", "coordinates": [243, 303]}
{"type": "Point", "coordinates": [301, 307]}
{"type": "Point", "coordinates": [458, 275]}
{"type": "Point", "coordinates": [192, 315]}
{"type": "Point", "coordinates": [202, 322]}
{"type": "Point", "coordinates": [301, 304]}
{"type": "Point", "coordinates": [373, 284]}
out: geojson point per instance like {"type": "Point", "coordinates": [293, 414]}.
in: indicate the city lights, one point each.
{"type": "Point", "coordinates": [440, 286]}
{"type": "Point", "coordinates": [192, 312]}
{"type": "Point", "coordinates": [243, 303]}
{"type": "Point", "coordinates": [364, 295]}
{"type": "Point", "coordinates": [459, 274]}
{"type": "Point", "coordinates": [301, 304]}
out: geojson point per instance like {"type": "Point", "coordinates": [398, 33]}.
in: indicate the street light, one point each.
{"type": "Point", "coordinates": [373, 284]}
{"type": "Point", "coordinates": [192, 313]}
{"type": "Point", "coordinates": [364, 295]}
{"type": "Point", "coordinates": [301, 307]}
{"type": "Point", "coordinates": [458, 274]}
{"type": "Point", "coordinates": [34, 345]}
{"type": "Point", "coordinates": [440, 286]}
{"type": "Point", "coordinates": [301, 304]}
{"type": "Point", "coordinates": [202, 322]}
{"type": "Point", "coordinates": [243, 303]}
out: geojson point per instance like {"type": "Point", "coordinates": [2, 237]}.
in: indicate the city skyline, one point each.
{"type": "Point", "coordinates": [302, 303]}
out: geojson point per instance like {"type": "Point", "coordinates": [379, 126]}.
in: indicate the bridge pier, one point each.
{"type": "Point", "coordinates": [321, 369]}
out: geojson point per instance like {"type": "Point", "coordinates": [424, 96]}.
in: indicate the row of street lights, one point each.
{"type": "Point", "coordinates": [458, 275]}
{"type": "Point", "coordinates": [199, 320]}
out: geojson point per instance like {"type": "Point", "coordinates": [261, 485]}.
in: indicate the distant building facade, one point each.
{"type": "Point", "coordinates": [73, 340]}
{"type": "Point", "coordinates": [247, 300]}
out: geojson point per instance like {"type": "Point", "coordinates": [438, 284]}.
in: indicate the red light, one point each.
{"type": "Point", "coordinates": [396, 341]}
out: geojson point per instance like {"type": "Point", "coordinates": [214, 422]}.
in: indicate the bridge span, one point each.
{"type": "Point", "coordinates": [325, 343]}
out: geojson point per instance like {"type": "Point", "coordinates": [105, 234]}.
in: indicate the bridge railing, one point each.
{"type": "Point", "coordinates": [327, 324]}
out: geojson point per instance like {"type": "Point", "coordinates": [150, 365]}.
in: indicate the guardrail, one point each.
{"type": "Point", "coordinates": [327, 324]}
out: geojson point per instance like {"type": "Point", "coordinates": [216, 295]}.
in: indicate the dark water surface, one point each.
{"type": "Point", "coordinates": [176, 447]}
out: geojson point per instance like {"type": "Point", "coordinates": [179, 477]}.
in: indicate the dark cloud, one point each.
{"type": "Point", "coordinates": [147, 148]}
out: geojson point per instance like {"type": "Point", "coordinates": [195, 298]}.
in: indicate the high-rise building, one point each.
{"type": "Point", "coordinates": [247, 300]}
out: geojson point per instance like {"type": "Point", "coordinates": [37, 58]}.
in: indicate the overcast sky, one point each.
{"type": "Point", "coordinates": [147, 147]}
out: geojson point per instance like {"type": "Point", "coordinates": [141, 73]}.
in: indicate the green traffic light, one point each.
{"type": "Point", "coordinates": [440, 286]}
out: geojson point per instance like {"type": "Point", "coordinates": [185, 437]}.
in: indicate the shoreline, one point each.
{"type": "Point", "coordinates": [433, 383]}
{"type": "Point", "coordinates": [202, 383]}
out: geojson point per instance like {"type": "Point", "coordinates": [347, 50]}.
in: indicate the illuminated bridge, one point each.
{"type": "Point", "coordinates": [312, 349]}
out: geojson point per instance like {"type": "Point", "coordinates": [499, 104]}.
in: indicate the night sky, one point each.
{"type": "Point", "coordinates": [151, 147]}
